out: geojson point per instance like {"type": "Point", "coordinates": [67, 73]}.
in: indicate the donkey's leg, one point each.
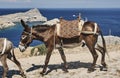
{"type": "Point", "coordinates": [11, 56]}
{"type": "Point", "coordinates": [104, 68]}
{"type": "Point", "coordinates": [61, 51]}
{"type": "Point", "coordinates": [47, 59]}
{"type": "Point", "coordinates": [5, 66]}
{"type": "Point", "coordinates": [95, 56]}
{"type": "Point", "coordinates": [90, 42]}
{"type": "Point", "coordinates": [103, 62]}
{"type": "Point", "coordinates": [101, 50]}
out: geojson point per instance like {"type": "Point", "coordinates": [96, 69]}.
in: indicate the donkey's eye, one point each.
{"type": "Point", "coordinates": [24, 36]}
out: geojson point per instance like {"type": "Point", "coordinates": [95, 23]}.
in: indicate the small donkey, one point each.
{"type": "Point", "coordinates": [7, 51]}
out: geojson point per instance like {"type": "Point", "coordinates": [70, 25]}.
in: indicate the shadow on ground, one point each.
{"type": "Point", "coordinates": [71, 65]}
{"type": "Point", "coordinates": [10, 73]}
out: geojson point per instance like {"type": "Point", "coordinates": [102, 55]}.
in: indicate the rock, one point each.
{"type": "Point", "coordinates": [29, 16]}
{"type": "Point", "coordinates": [34, 15]}
{"type": "Point", "coordinates": [52, 22]}
{"type": "Point", "coordinates": [5, 24]}
{"type": "Point", "coordinates": [110, 40]}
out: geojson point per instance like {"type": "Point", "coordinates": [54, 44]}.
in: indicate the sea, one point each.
{"type": "Point", "coordinates": [107, 18]}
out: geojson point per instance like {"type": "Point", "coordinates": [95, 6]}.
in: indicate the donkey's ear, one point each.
{"type": "Point", "coordinates": [24, 24]}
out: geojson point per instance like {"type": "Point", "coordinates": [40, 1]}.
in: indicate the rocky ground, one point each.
{"type": "Point", "coordinates": [79, 60]}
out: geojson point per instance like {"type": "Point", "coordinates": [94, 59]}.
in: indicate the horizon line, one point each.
{"type": "Point", "coordinates": [58, 8]}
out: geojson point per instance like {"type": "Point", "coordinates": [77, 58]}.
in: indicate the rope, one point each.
{"type": "Point", "coordinates": [4, 47]}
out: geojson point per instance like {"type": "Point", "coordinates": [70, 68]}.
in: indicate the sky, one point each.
{"type": "Point", "coordinates": [59, 3]}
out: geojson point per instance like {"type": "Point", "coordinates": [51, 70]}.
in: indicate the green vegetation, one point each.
{"type": "Point", "coordinates": [38, 50]}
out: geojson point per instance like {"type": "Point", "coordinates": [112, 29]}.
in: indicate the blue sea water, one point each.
{"type": "Point", "coordinates": [108, 20]}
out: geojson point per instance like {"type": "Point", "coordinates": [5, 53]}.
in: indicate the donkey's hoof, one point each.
{"type": "Point", "coordinates": [90, 70]}
{"type": "Point", "coordinates": [23, 75]}
{"type": "Point", "coordinates": [66, 71]}
{"type": "Point", "coordinates": [42, 73]}
{"type": "Point", "coordinates": [103, 68]}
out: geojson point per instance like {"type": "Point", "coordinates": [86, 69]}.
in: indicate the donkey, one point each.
{"type": "Point", "coordinates": [7, 51]}
{"type": "Point", "coordinates": [48, 35]}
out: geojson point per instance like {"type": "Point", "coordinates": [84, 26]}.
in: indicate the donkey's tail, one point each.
{"type": "Point", "coordinates": [104, 44]}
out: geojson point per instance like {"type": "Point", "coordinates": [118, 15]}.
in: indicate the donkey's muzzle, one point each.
{"type": "Point", "coordinates": [22, 48]}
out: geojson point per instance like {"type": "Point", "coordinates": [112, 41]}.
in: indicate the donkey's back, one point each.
{"type": "Point", "coordinates": [5, 45]}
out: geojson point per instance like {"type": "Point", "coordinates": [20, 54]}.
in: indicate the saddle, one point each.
{"type": "Point", "coordinates": [69, 29]}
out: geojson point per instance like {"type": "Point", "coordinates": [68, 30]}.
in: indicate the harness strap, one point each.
{"type": "Point", "coordinates": [4, 47]}
{"type": "Point", "coordinates": [91, 32]}
{"type": "Point", "coordinates": [80, 25]}
{"type": "Point", "coordinates": [58, 29]}
{"type": "Point", "coordinates": [95, 29]}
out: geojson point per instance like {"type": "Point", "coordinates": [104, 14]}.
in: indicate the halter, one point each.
{"type": "Point", "coordinates": [30, 34]}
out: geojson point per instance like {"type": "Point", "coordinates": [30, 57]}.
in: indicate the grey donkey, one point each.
{"type": "Point", "coordinates": [7, 51]}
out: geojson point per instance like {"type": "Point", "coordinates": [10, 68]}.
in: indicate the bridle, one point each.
{"type": "Point", "coordinates": [29, 34]}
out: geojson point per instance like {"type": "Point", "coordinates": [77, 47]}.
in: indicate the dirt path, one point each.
{"type": "Point", "coordinates": [78, 63]}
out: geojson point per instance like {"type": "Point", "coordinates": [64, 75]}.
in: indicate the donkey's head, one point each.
{"type": "Point", "coordinates": [38, 32]}
{"type": "Point", "coordinates": [26, 37]}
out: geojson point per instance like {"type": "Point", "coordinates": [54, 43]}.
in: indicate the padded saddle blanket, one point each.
{"type": "Point", "coordinates": [69, 29]}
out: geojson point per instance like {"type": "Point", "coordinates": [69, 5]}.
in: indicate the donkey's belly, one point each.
{"type": "Point", "coordinates": [71, 42]}
{"type": "Point", "coordinates": [72, 45]}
